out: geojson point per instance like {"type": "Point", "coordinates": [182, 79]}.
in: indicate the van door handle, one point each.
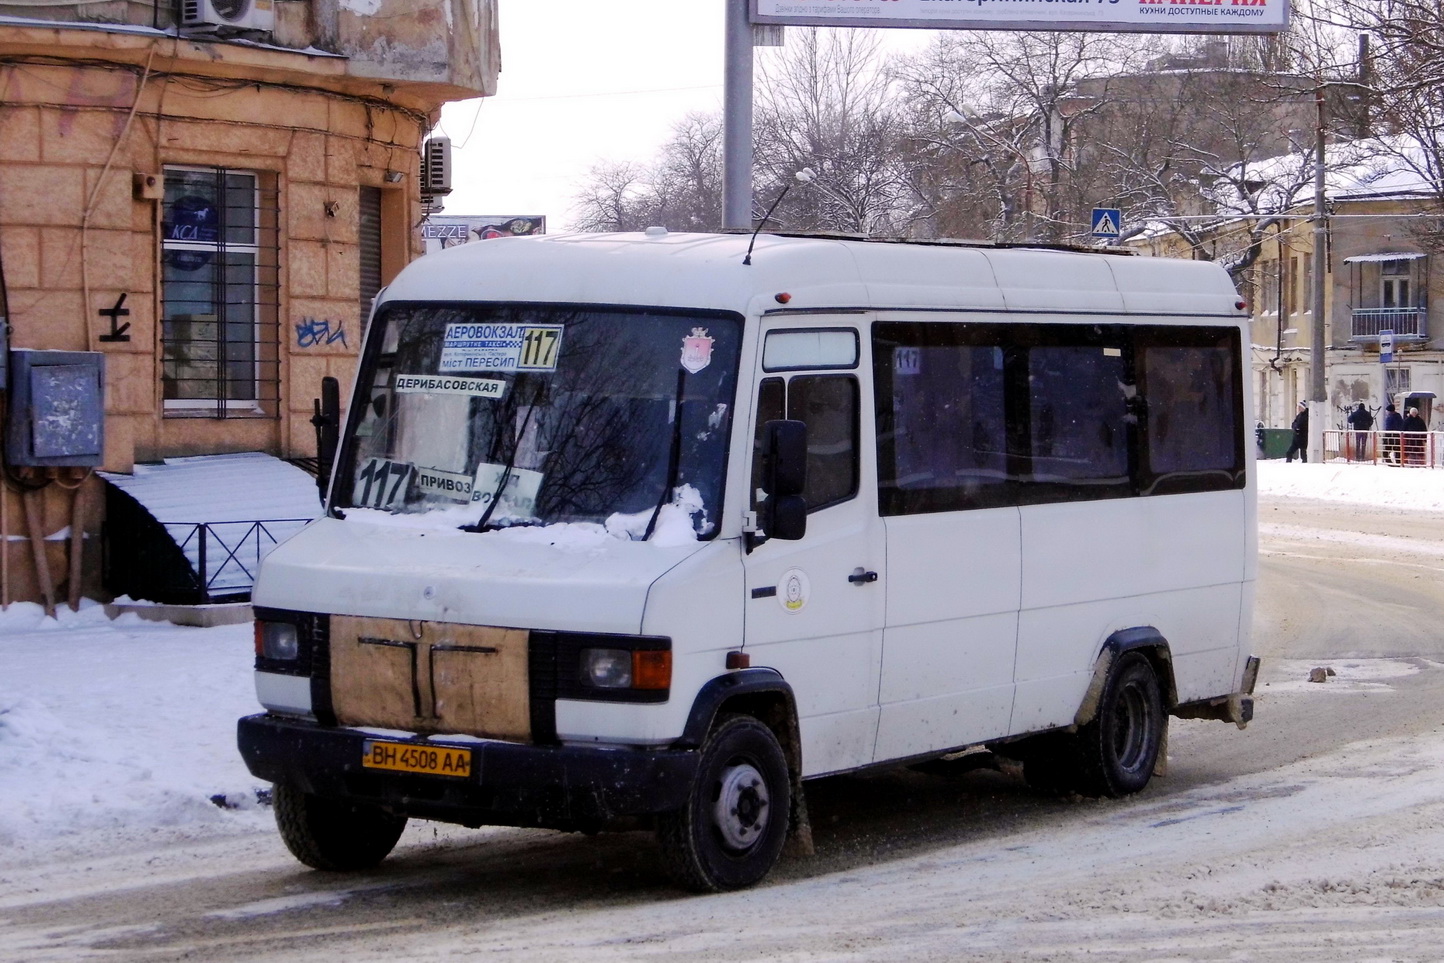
{"type": "Point", "coordinates": [862, 577]}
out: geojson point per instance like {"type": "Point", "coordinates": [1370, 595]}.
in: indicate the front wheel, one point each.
{"type": "Point", "coordinates": [1119, 748]}
{"type": "Point", "coordinates": [333, 834]}
{"type": "Point", "coordinates": [731, 831]}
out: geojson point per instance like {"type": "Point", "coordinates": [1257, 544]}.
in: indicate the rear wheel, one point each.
{"type": "Point", "coordinates": [1118, 749]}
{"type": "Point", "coordinates": [730, 833]}
{"type": "Point", "coordinates": [333, 834]}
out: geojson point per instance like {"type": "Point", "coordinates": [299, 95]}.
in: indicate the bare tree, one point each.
{"type": "Point", "coordinates": [1213, 143]}
{"type": "Point", "coordinates": [615, 197]}
{"type": "Point", "coordinates": [995, 117]}
{"type": "Point", "coordinates": [681, 191]}
{"type": "Point", "coordinates": [824, 103]}
{"type": "Point", "coordinates": [687, 181]}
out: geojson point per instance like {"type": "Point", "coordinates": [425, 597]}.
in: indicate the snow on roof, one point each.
{"type": "Point", "coordinates": [240, 487]}
{"type": "Point", "coordinates": [1354, 170]}
{"type": "Point", "coordinates": [228, 493]}
{"type": "Point", "coordinates": [1385, 256]}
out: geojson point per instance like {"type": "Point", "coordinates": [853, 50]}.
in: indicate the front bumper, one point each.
{"type": "Point", "coordinates": [559, 787]}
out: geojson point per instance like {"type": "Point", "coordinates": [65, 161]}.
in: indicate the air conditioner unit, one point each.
{"type": "Point", "coordinates": [228, 14]}
{"type": "Point", "coordinates": [436, 167]}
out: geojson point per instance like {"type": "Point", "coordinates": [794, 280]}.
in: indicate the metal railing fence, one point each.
{"type": "Point", "coordinates": [1410, 449]}
{"type": "Point", "coordinates": [240, 546]}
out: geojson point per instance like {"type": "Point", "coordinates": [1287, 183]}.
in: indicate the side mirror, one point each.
{"type": "Point", "coordinates": [784, 478]}
{"type": "Point", "coordinates": [785, 517]}
{"type": "Point", "coordinates": [784, 453]}
{"type": "Point", "coordinates": [327, 421]}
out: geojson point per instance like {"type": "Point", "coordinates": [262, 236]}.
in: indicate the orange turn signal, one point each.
{"type": "Point", "coordinates": [651, 669]}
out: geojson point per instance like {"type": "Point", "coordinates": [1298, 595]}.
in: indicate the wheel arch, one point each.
{"type": "Point", "coordinates": [766, 696]}
{"type": "Point", "coordinates": [1147, 641]}
{"type": "Point", "coordinates": [760, 693]}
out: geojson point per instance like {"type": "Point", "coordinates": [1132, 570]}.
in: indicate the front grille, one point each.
{"type": "Point", "coordinates": [430, 677]}
{"type": "Point", "coordinates": [317, 629]}
{"type": "Point", "coordinates": [542, 671]}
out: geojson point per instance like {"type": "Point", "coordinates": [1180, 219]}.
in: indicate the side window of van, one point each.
{"type": "Point", "coordinates": [944, 435]}
{"type": "Point", "coordinates": [1077, 415]}
{"type": "Point", "coordinates": [828, 405]}
{"type": "Point", "coordinates": [987, 415]}
{"type": "Point", "coordinates": [1193, 392]}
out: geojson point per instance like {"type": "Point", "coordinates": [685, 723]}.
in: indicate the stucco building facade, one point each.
{"type": "Point", "coordinates": [210, 207]}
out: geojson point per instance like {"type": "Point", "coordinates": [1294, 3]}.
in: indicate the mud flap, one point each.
{"type": "Point", "coordinates": [799, 831]}
{"type": "Point", "coordinates": [799, 828]}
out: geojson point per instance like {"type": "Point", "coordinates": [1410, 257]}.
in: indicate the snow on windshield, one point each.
{"type": "Point", "coordinates": [684, 519]}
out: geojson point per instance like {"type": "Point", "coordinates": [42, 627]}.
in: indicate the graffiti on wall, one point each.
{"type": "Point", "coordinates": [318, 332]}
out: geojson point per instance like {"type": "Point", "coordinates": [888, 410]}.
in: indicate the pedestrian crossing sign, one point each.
{"type": "Point", "coordinates": [1107, 222]}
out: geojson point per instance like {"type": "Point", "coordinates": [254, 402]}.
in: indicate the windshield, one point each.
{"type": "Point", "coordinates": [495, 415]}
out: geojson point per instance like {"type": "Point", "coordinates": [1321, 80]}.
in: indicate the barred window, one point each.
{"type": "Point", "coordinates": [219, 280]}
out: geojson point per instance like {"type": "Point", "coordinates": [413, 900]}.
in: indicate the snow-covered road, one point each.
{"type": "Point", "coordinates": [1315, 834]}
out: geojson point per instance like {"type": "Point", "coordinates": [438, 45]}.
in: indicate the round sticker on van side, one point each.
{"type": "Point", "coordinates": [794, 590]}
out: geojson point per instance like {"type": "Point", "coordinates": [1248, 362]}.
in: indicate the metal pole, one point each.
{"type": "Point", "coordinates": [1318, 383]}
{"type": "Point", "coordinates": [201, 559]}
{"type": "Point", "coordinates": [737, 120]}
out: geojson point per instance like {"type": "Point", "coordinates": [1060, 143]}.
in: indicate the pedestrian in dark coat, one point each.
{"type": "Point", "coordinates": [1393, 424]}
{"type": "Point", "coordinates": [1361, 421]}
{"type": "Point", "coordinates": [1414, 429]}
{"type": "Point", "coordinates": [1300, 442]}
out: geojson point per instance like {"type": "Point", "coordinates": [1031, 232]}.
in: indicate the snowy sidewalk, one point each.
{"type": "Point", "coordinates": [123, 727]}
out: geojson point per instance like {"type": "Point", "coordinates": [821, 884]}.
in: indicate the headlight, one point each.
{"type": "Point", "coordinates": [626, 668]}
{"type": "Point", "coordinates": [277, 640]}
{"type": "Point", "coordinates": [607, 668]}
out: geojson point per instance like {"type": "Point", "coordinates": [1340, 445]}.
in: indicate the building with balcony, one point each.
{"type": "Point", "coordinates": [205, 194]}
{"type": "Point", "coordinates": [1378, 286]}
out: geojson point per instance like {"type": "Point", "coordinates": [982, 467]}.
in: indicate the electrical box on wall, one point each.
{"type": "Point", "coordinates": [57, 409]}
{"type": "Point", "coordinates": [436, 167]}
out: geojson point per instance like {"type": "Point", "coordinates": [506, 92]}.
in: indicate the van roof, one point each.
{"type": "Point", "coordinates": [660, 268]}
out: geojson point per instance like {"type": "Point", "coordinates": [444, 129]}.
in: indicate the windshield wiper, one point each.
{"type": "Point", "coordinates": [480, 525]}
{"type": "Point", "coordinates": [674, 457]}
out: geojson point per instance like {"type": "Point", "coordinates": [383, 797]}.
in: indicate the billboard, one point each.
{"type": "Point", "coordinates": [1162, 16]}
{"type": "Point", "coordinates": [448, 230]}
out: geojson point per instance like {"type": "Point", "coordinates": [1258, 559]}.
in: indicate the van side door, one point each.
{"type": "Point", "coordinates": [814, 607]}
{"type": "Point", "coordinates": [953, 537]}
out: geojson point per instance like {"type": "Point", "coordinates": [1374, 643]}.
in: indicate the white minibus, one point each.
{"type": "Point", "coordinates": [646, 530]}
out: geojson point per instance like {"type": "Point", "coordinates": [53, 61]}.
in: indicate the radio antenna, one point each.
{"type": "Point", "coordinates": [804, 176]}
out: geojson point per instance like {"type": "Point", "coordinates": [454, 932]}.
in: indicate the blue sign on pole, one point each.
{"type": "Point", "coordinates": [1386, 346]}
{"type": "Point", "coordinates": [1107, 222]}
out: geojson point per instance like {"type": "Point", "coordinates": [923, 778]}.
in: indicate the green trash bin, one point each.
{"type": "Point", "coordinates": [1275, 442]}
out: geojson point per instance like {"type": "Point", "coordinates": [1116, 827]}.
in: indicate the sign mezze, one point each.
{"type": "Point", "coordinates": [1164, 16]}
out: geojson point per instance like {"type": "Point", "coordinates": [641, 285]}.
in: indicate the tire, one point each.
{"type": "Point", "coordinates": [730, 833]}
{"type": "Point", "coordinates": [334, 835]}
{"type": "Point", "coordinates": [1118, 749]}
